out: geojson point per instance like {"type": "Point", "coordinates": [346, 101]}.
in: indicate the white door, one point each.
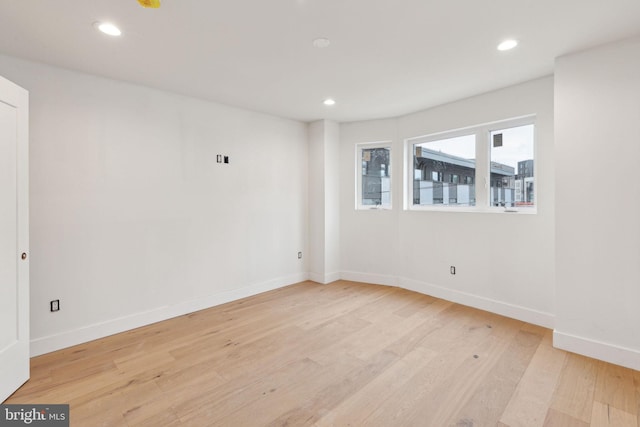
{"type": "Point", "coordinates": [14, 238]}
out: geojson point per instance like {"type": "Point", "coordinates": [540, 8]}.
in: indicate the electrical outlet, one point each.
{"type": "Point", "coordinates": [55, 305]}
{"type": "Point", "coordinates": [299, 255]}
{"type": "Point", "coordinates": [452, 269]}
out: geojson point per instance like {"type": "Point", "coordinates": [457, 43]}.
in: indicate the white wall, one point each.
{"type": "Point", "coordinates": [132, 219]}
{"type": "Point", "coordinates": [316, 253]}
{"type": "Point", "coordinates": [324, 196]}
{"type": "Point", "coordinates": [332, 201]}
{"type": "Point", "coordinates": [505, 262]}
{"type": "Point", "coordinates": [597, 122]}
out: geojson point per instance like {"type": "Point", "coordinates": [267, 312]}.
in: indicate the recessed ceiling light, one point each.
{"type": "Point", "coordinates": [329, 101]}
{"type": "Point", "coordinates": [108, 28]}
{"type": "Point", "coordinates": [321, 43]}
{"type": "Point", "coordinates": [508, 44]}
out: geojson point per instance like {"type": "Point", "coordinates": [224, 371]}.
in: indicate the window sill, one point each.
{"type": "Point", "coordinates": [374, 208]}
{"type": "Point", "coordinates": [466, 209]}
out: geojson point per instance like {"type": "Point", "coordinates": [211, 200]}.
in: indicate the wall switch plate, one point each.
{"type": "Point", "coordinates": [55, 305]}
{"type": "Point", "coordinates": [299, 255]}
{"type": "Point", "coordinates": [226, 159]}
{"type": "Point", "coordinates": [452, 269]}
{"type": "Point", "coordinates": [219, 158]}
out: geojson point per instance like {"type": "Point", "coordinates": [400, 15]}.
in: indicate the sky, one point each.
{"type": "Point", "coordinates": [517, 145]}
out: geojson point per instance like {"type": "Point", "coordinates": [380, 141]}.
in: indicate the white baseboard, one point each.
{"type": "Point", "coordinates": [100, 330]}
{"type": "Point", "coordinates": [376, 279]}
{"type": "Point", "coordinates": [622, 356]}
{"type": "Point", "coordinates": [325, 278]}
{"type": "Point", "coordinates": [513, 311]}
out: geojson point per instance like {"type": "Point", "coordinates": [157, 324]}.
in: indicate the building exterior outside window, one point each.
{"type": "Point", "coordinates": [448, 180]}
{"type": "Point", "coordinates": [507, 187]}
{"type": "Point", "coordinates": [374, 178]}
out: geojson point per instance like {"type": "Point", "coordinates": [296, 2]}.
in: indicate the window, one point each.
{"type": "Point", "coordinates": [374, 177]}
{"type": "Point", "coordinates": [445, 168]}
{"type": "Point", "coordinates": [444, 160]}
{"type": "Point", "coordinates": [512, 167]}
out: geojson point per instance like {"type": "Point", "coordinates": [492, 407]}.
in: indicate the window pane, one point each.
{"type": "Point", "coordinates": [512, 177]}
{"type": "Point", "coordinates": [444, 172]}
{"type": "Point", "coordinates": [376, 177]}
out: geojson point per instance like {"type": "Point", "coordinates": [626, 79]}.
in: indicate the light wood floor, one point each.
{"type": "Point", "coordinates": [344, 354]}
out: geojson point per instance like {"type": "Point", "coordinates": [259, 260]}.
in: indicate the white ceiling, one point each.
{"type": "Point", "coordinates": [387, 57]}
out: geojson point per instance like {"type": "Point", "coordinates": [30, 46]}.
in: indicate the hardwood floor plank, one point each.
{"type": "Point", "coordinates": [328, 398]}
{"type": "Point", "coordinates": [450, 396]}
{"type": "Point", "coordinates": [529, 404]}
{"type": "Point", "coordinates": [102, 407]}
{"type": "Point", "coordinates": [411, 339]}
{"type": "Point", "coordinates": [605, 415]}
{"type": "Point", "coordinates": [218, 402]}
{"type": "Point", "coordinates": [386, 329]}
{"type": "Point", "coordinates": [294, 395]}
{"type": "Point", "coordinates": [176, 375]}
{"type": "Point", "coordinates": [574, 394]}
{"type": "Point", "coordinates": [136, 363]}
{"type": "Point", "coordinates": [358, 407]}
{"type": "Point", "coordinates": [66, 391]}
{"type": "Point", "coordinates": [615, 387]}
{"type": "Point", "coordinates": [278, 349]}
{"type": "Point", "coordinates": [560, 419]}
{"type": "Point", "coordinates": [414, 304]}
{"type": "Point", "coordinates": [146, 402]}
{"type": "Point", "coordinates": [434, 391]}
{"type": "Point", "coordinates": [348, 304]}
{"type": "Point", "coordinates": [492, 395]}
